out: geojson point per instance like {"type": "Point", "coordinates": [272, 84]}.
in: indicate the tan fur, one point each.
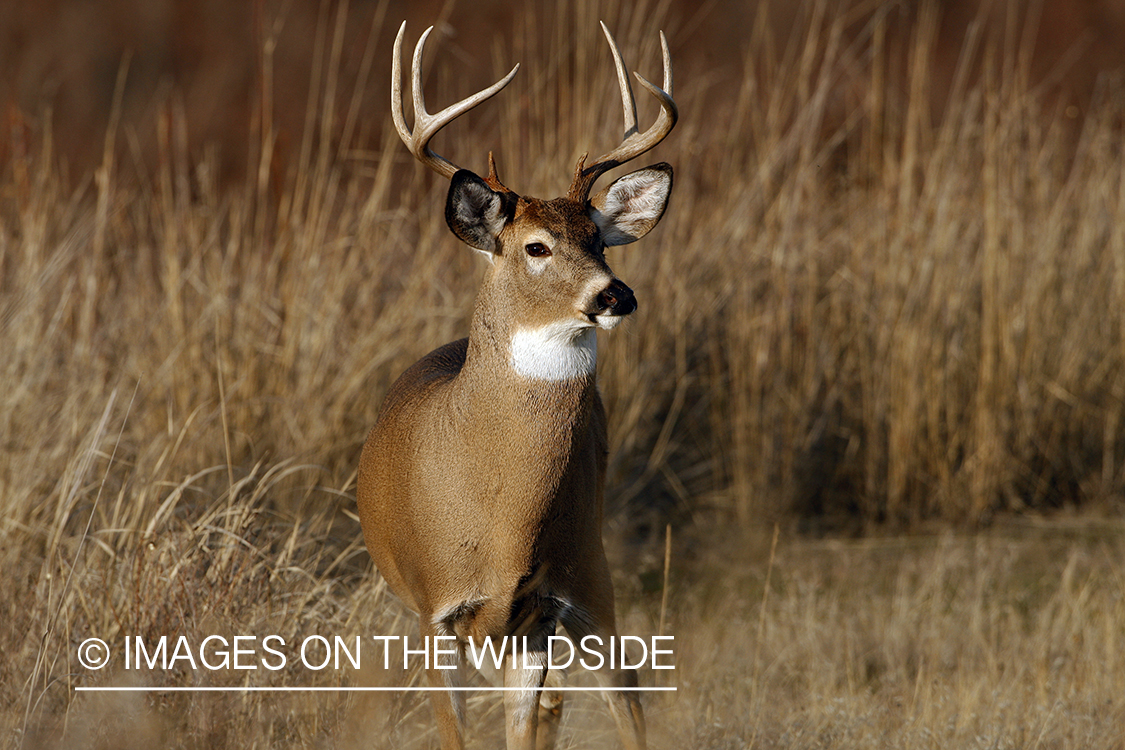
{"type": "Point", "coordinates": [481, 491]}
{"type": "Point", "coordinates": [481, 486]}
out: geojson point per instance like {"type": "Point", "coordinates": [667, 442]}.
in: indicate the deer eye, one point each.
{"type": "Point", "coordinates": [538, 250]}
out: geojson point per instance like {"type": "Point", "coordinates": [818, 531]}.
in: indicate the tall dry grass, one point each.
{"type": "Point", "coordinates": [857, 311]}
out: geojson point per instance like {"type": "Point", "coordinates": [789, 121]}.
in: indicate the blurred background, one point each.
{"type": "Point", "coordinates": [889, 290]}
{"type": "Point", "coordinates": [60, 59]}
{"type": "Point", "coordinates": [873, 395]}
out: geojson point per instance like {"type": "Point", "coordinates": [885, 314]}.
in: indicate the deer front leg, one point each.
{"type": "Point", "coordinates": [625, 705]}
{"type": "Point", "coordinates": [445, 671]}
{"type": "Point", "coordinates": [624, 702]}
{"type": "Point", "coordinates": [526, 670]}
{"type": "Point", "coordinates": [551, 703]}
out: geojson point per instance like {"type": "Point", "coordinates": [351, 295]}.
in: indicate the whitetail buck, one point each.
{"type": "Point", "coordinates": [481, 485]}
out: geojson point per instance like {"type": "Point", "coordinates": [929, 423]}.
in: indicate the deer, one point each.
{"type": "Point", "coordinates": [481, 486]}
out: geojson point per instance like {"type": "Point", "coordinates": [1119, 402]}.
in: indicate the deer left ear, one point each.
{"type": "Point", "coordinates": [475, 212]}
{"type": "Point", "coordinates": [631, 205]}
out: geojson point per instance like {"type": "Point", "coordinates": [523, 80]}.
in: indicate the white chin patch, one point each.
{"type": "Point", "coordinates": [606, 322]}
{"type": "Point", "coordinates": [556, 351]}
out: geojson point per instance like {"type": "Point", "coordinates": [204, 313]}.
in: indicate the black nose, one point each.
{"type": "Point", "coordinates": [617, 298]}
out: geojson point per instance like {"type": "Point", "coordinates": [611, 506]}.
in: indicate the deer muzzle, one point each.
{"type": "Point", "coordinates": [616, 299]}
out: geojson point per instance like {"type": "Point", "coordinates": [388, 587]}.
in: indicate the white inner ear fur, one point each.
{"type": "Point", "coordinates": [493, 222]}
{"type": "Point", "coordinates": [480, 209]}
{"type": "Point", "coordinates": [491, 217]}
{"type": "Point", "coordinates": [557, 351]}
{"type": "Point", "coordinates": [630, 207]}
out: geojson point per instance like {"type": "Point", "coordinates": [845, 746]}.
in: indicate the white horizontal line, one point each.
{"type": "Point", "coordinates": [357, 689]}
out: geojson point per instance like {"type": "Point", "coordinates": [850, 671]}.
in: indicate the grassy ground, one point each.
{"type": "Point", "coordinates": [858, 314]}
{"type": "Point", "coordinates": [1009, 639]}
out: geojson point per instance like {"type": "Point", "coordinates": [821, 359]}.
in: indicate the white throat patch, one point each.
{"type": "Point", "coordinates": [556, 351]}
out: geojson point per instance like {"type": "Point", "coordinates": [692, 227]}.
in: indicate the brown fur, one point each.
{"type": "Point", "coordinates": [481, 485]}
{"type": "Point", "coordinates": [481, 491]}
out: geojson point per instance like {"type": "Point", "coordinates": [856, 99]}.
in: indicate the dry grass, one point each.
{"type": "Point", "coordinates": [856, 313]}
{"type": "Point", "coordinates": [1010, 639]}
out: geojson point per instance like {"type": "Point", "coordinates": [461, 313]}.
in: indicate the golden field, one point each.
{"type": "Point", "coordinates": [884, 315]}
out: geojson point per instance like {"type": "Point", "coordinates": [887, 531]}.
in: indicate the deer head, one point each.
{"type": "Point", "coordinates": [549, 275]}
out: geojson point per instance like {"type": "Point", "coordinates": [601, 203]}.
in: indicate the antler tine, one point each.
{"type": "Point", "coordinates": [425, 124]}
{"type": "Point", "coordinates": [628, 103]}
{"type": "Point", "coordinates": [633, 143]}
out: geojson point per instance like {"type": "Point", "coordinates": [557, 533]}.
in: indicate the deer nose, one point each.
{"type": "Point", "coordinates": [617, 298]}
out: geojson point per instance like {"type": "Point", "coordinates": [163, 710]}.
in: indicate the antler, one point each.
{"type": "Point", "coordinates": [633, 143]}
{"type": "Point", "coordinates": [425, 124]}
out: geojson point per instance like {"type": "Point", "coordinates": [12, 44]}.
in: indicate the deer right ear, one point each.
{"type": "Point", "coordinates": [475, 212]}
{"type": "Point", "coordinates": [628, 208]}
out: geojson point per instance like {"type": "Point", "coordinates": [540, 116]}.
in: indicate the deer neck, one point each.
{"type": "Point", "coordinates": [535, 427]}
{"type": "Point", "coordinates": [553, 360]}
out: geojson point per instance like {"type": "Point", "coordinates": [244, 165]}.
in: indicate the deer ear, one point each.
{"type": "Point", "coordinates": [475, 212]}
{"type": "Point", "coordinates": [631, 205]}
